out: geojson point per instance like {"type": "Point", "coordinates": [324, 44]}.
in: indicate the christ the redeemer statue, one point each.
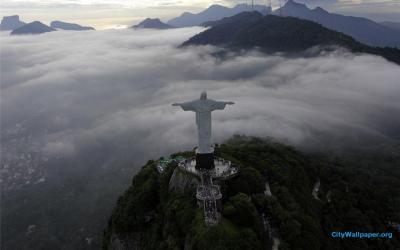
{"type": "Point", "coordinates": [203, 108]}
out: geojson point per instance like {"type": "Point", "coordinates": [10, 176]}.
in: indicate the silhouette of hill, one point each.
{"type": "Point", "coordinates": [32, 28]}
{"type": "Point", "coordinates": [361, 29]}
{"type": "Point", "coordinates": [150, 23]}
{"type": "Point", "coordinates": [213, 13]}
{"type": "Point", "coordinates": [393, 25]}
{"type": "Point", "coordinates": [68, 26]}
{"type": "Point", "coordinates": [11, 23]}
{"type": "Point", "coordinates": [271, 33]}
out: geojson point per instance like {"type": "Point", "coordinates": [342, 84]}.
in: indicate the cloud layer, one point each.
{"type": "Point", "coordinates": [65, 93]}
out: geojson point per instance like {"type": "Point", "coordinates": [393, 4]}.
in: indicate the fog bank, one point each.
{"type": "Point", "coordinates": [64, 93]}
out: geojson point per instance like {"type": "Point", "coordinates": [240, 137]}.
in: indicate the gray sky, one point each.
{"type": "Point", "coordinates": [120, 13]}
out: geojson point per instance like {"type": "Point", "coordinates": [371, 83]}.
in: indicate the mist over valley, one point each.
{"type": "Point", "coordinates": [81, 112]}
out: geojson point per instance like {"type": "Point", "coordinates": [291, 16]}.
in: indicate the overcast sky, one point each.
{"type": "Point", "coordinates": [119, 13]}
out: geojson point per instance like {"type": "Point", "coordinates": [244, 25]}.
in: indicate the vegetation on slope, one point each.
{"type": "Point", "coordinates": [149, 216]}
{"type": "Point", "coordinates": [280, 34]}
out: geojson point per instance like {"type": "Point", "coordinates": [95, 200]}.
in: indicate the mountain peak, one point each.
{"type": "Point", "coordinates": [320, 10]}
{"type": "Point", "coordinates": [34, 27]}
{"type": "Point", "coordinates": [11, 18]}
{"type": "Point", "coordinates": [293, 4]}
{"type": "Point", "coordinates": [362, 29]}
{"type": "Point", "coordinates": [250, 30]}
{"type": "Point", "coordinates": [267, 32]}
{"type": "Point", "coordinates": [213, 13]}
{"type": "Point", "coordinates": [216, 6]}
{"type": "Point", "coordinates": [68, 26]}
{"type": "Point", "coordinates": [11, 23]}
{"type": "Point", "coordinates": [186, 14]}
{"type": "Point", "coordinates": [152, 23]}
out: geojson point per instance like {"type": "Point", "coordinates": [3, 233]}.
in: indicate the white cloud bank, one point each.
{"type": "Point", "coordinates": [67, 92]}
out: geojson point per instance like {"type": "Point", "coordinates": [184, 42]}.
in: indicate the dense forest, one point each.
{"type": "Point", "coordinates": [270, 34]}
{"type": "Point", "coordinates": [356, 193]}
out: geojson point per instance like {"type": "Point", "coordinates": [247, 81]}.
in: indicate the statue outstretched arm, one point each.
{"type": "Point", "coordinates": [187, 106]}
{"type": "Point", "coordinates": [220, 105]}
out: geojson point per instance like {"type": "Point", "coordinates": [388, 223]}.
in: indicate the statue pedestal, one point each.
{"type": "Point", "coordinates": [208, 167]}
{"type": "Point", "coordinates": [205, 161]}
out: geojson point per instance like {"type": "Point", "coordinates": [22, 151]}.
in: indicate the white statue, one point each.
{"type": "Point", "coordinates": [203, 108]}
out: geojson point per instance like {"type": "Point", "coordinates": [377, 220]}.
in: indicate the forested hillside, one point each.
{"type": "Point", "coordinates": [351, 197]}
{"type": "Point", "coordinates": [252, 30]}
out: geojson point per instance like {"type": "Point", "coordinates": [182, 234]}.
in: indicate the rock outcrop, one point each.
{"type": "Point", "coordinates": [11, 23]}
{"type": "Point", "coordinates": [69, 26]}
{"type": "Point", "coordinates": [32, 28]}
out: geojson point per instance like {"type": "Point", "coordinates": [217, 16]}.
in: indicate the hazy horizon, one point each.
{"type": "Point", "coordinates": [120, 14]}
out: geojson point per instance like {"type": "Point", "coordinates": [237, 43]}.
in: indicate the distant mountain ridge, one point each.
{"type": "Point", "coordinates": [249, 30]}
{"type": "Point", "coordinates": [11, 23]}
{"type": "Point", "coordinates": [68, 26]}
{"type": "Point", "coordinates": [35, 27]}
{"type": "Point", "coordinates": [213, 13]}
{"type": "Point", "coordinates": [393, 25]}
{"type": "Point", "coordinates": [361, 29]}
{"type": "Point", "coordinates": [150, 23]}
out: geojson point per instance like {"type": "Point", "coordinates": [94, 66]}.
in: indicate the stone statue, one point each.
{"type": "Point", "coordinates": [203, 108]}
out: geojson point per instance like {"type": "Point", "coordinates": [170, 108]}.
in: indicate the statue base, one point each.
{"type": "Point", "coordinates": [205, 161]}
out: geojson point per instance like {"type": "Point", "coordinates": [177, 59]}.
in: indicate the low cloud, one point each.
{"type": "Point", "coordinates": [318, 2]}
{"type": "Point", "coordinates": [65, 93]}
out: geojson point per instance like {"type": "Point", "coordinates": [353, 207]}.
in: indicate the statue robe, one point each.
{"type": "Point", "coordinates": [203, 109]}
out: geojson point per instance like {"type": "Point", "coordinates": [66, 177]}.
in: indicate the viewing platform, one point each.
{"type": "Point", "coordinates": [206, 191]}
{"type": "Point", "coordinates": [223, 168]}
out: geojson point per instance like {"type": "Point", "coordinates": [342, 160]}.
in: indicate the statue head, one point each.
{"type": "Point", "coordinates": [203, 96]}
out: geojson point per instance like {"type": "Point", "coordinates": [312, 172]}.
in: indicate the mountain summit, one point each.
{"type": "Point", "coordinates": [11, 23]}
{"type": "Point", "coordinates": [68, 26]}
{"type": "Point", "coordinates": [269, 33]}
{"type": "Point", "coordinates": [35, 27]}
{"type": "Point", "coordinates": [361, 29]}
{"type": "Point", "coordinates": [150, 23]}
{"type": "Point", "coordinates": [250, 30]}
{"type": "Point", "coordinates": [213, 13]}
